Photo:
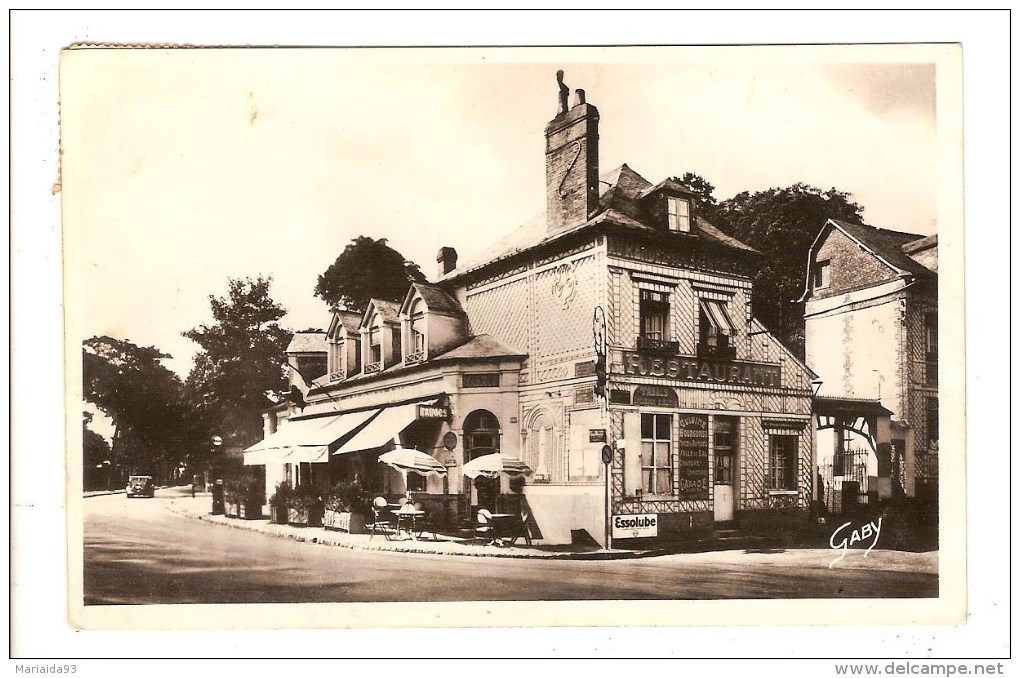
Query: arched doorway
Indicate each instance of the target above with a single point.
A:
(481, 437)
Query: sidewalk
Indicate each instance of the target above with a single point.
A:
(199, 507)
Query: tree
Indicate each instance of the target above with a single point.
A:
(366, 268)
(96, 458)
(782, 223)
(143, 398)
(242, 357)
(706, 206)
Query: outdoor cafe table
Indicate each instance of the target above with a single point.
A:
(407, 520)
(508, 526)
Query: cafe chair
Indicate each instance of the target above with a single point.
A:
(423, 523)
(521, 529)
(483, 526)
(379, 523)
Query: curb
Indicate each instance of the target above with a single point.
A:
(326, 540)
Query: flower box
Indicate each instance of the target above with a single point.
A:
(278, 515)
(344, 521)
(308, 516)
(250, 511)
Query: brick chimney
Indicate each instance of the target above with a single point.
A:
(571, 162)
(447, 260)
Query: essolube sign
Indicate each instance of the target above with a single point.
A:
(638, 525)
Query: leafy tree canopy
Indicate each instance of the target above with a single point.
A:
(781, 223)
(143, 398)
(242, 358)
(366, 268)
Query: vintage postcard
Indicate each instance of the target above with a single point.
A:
(513, 337)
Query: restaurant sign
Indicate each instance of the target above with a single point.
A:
(686, 368)
(693, 457)
(433, 412)
(637, 525)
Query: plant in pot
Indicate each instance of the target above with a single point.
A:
(243, 497)
(304, 507)
(279, 503)
(344, 507)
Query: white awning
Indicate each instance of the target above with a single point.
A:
(384, 428)
(305, 440)
(717, 315)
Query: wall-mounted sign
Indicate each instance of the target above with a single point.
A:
(656, 396)
(646, 364)
(692, 454)
(638, 525)
(450, 440)
(481, 379)
(607, 454)
(619, 397)
(596, 435)
(584, 395)
(433, 412)
(585, 369)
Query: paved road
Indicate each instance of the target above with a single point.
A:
(138, 552)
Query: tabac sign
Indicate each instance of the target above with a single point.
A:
(687, 368)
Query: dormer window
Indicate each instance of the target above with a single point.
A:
(416, 339)
(678, 214)
(374, 363)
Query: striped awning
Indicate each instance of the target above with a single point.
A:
(306, 440)
(718, 316)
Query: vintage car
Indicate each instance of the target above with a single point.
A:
(140, 486)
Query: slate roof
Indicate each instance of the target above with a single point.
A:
(619, 206)
(889, 245)
(351, 321)
(438, 300)
(307, 342)
(389, 310)
(482, 346)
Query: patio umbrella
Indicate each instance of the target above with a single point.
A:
(406, 459)
(491, 465)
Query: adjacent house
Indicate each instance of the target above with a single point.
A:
(871, 323)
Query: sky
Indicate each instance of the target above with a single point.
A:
(183, 168)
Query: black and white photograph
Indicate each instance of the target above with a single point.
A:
(459, 337)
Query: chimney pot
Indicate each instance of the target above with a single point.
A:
(447, 260)
(578, 97)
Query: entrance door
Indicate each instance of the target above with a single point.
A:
(724, 445)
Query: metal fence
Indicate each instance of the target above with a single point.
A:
(846, 480)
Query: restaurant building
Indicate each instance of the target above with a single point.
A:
(618, 324)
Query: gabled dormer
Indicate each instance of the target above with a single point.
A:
(433, 323)
(306, 355)
(380, 336)
(669, 205)
(343, 340)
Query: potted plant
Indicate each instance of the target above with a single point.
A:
(279, 503)
(243, 497)
(344, 507)
(304, 507)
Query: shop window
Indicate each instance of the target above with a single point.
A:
(782, 462)
(931, 419)
(724, 444)
(654, 325)
(931, 349)
(656, 460)
(715, 330)
(678, 214)
(820, 275)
